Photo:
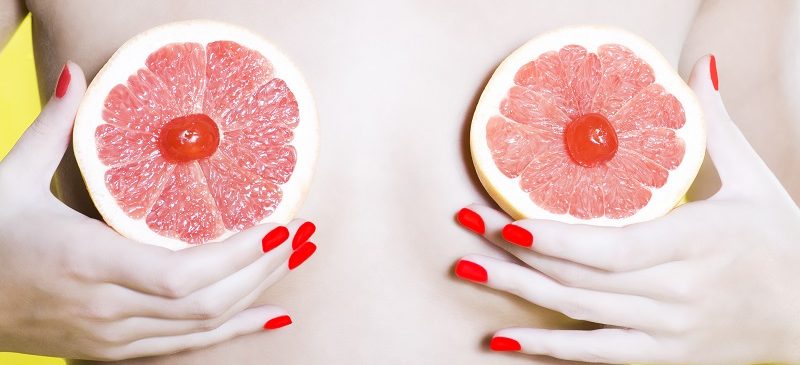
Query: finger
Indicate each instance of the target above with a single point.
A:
(608, 345)
(217, 299)
(177, 274)
(38, 152)
(740, 168)
(489, 223)
(615, 249)
(674, 283)
(613, 309)
(136, 328)
(249, 321)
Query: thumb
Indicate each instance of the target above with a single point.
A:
(740, 168)
(38, 152)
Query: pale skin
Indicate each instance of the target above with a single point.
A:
(670, 291)
(395, 84)
(78, 301)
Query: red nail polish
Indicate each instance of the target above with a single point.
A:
(471, 220)
(471, 271)
(713, 66)
(504, 344)
(303, 234)
(278, 322)
(63, 82)
(274, 238)
(301, 254)
(517, 235)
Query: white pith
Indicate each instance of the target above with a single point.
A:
(508, 193)
(131, 57)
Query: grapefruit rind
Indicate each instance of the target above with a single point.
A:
(507, 192)
(129, 58)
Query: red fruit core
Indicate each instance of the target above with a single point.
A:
(590, 140)
(188, 138)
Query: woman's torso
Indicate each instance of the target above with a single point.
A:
(395, 84)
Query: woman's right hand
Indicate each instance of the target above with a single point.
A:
(72, 287)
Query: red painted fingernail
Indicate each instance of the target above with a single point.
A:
(713, 66)
(303, 234)
(471, 271)
(274, 238)
(278, 322)
(471, 220)
(504, 344)
(517, 235)
(301, 254)
(63, 82)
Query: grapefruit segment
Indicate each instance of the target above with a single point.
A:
(233, 73)
(272, 104)
(623, 194)
(116, 145)
(185, 208)
(582, 74)
(127, 109)
(243, 198)
(636, 167)
(514, 144)
(535, 109)
(182, 66)
(652, 107)
(586, 201)
(267, 155)
(132, 184)
(153, 98)
(545, 76)
(624, 74)
(660, 145)
(587, 125)
(548, 179)
(194, 131)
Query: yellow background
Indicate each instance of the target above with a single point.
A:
(19, 105)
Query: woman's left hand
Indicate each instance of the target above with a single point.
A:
(712, 282)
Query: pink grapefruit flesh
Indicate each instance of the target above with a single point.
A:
(624, 93)
(190, 181)
(586, 133)
(201, 139)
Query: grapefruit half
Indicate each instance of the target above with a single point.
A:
(193, 131)
(589, 125)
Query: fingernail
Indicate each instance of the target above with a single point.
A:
(278, 322)
(471, 271)
(301, 254)
(274, 238)
(471, 220)
(63, 82)
(517, 235)
(713, 66)
(504, 344)
(303, 234)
